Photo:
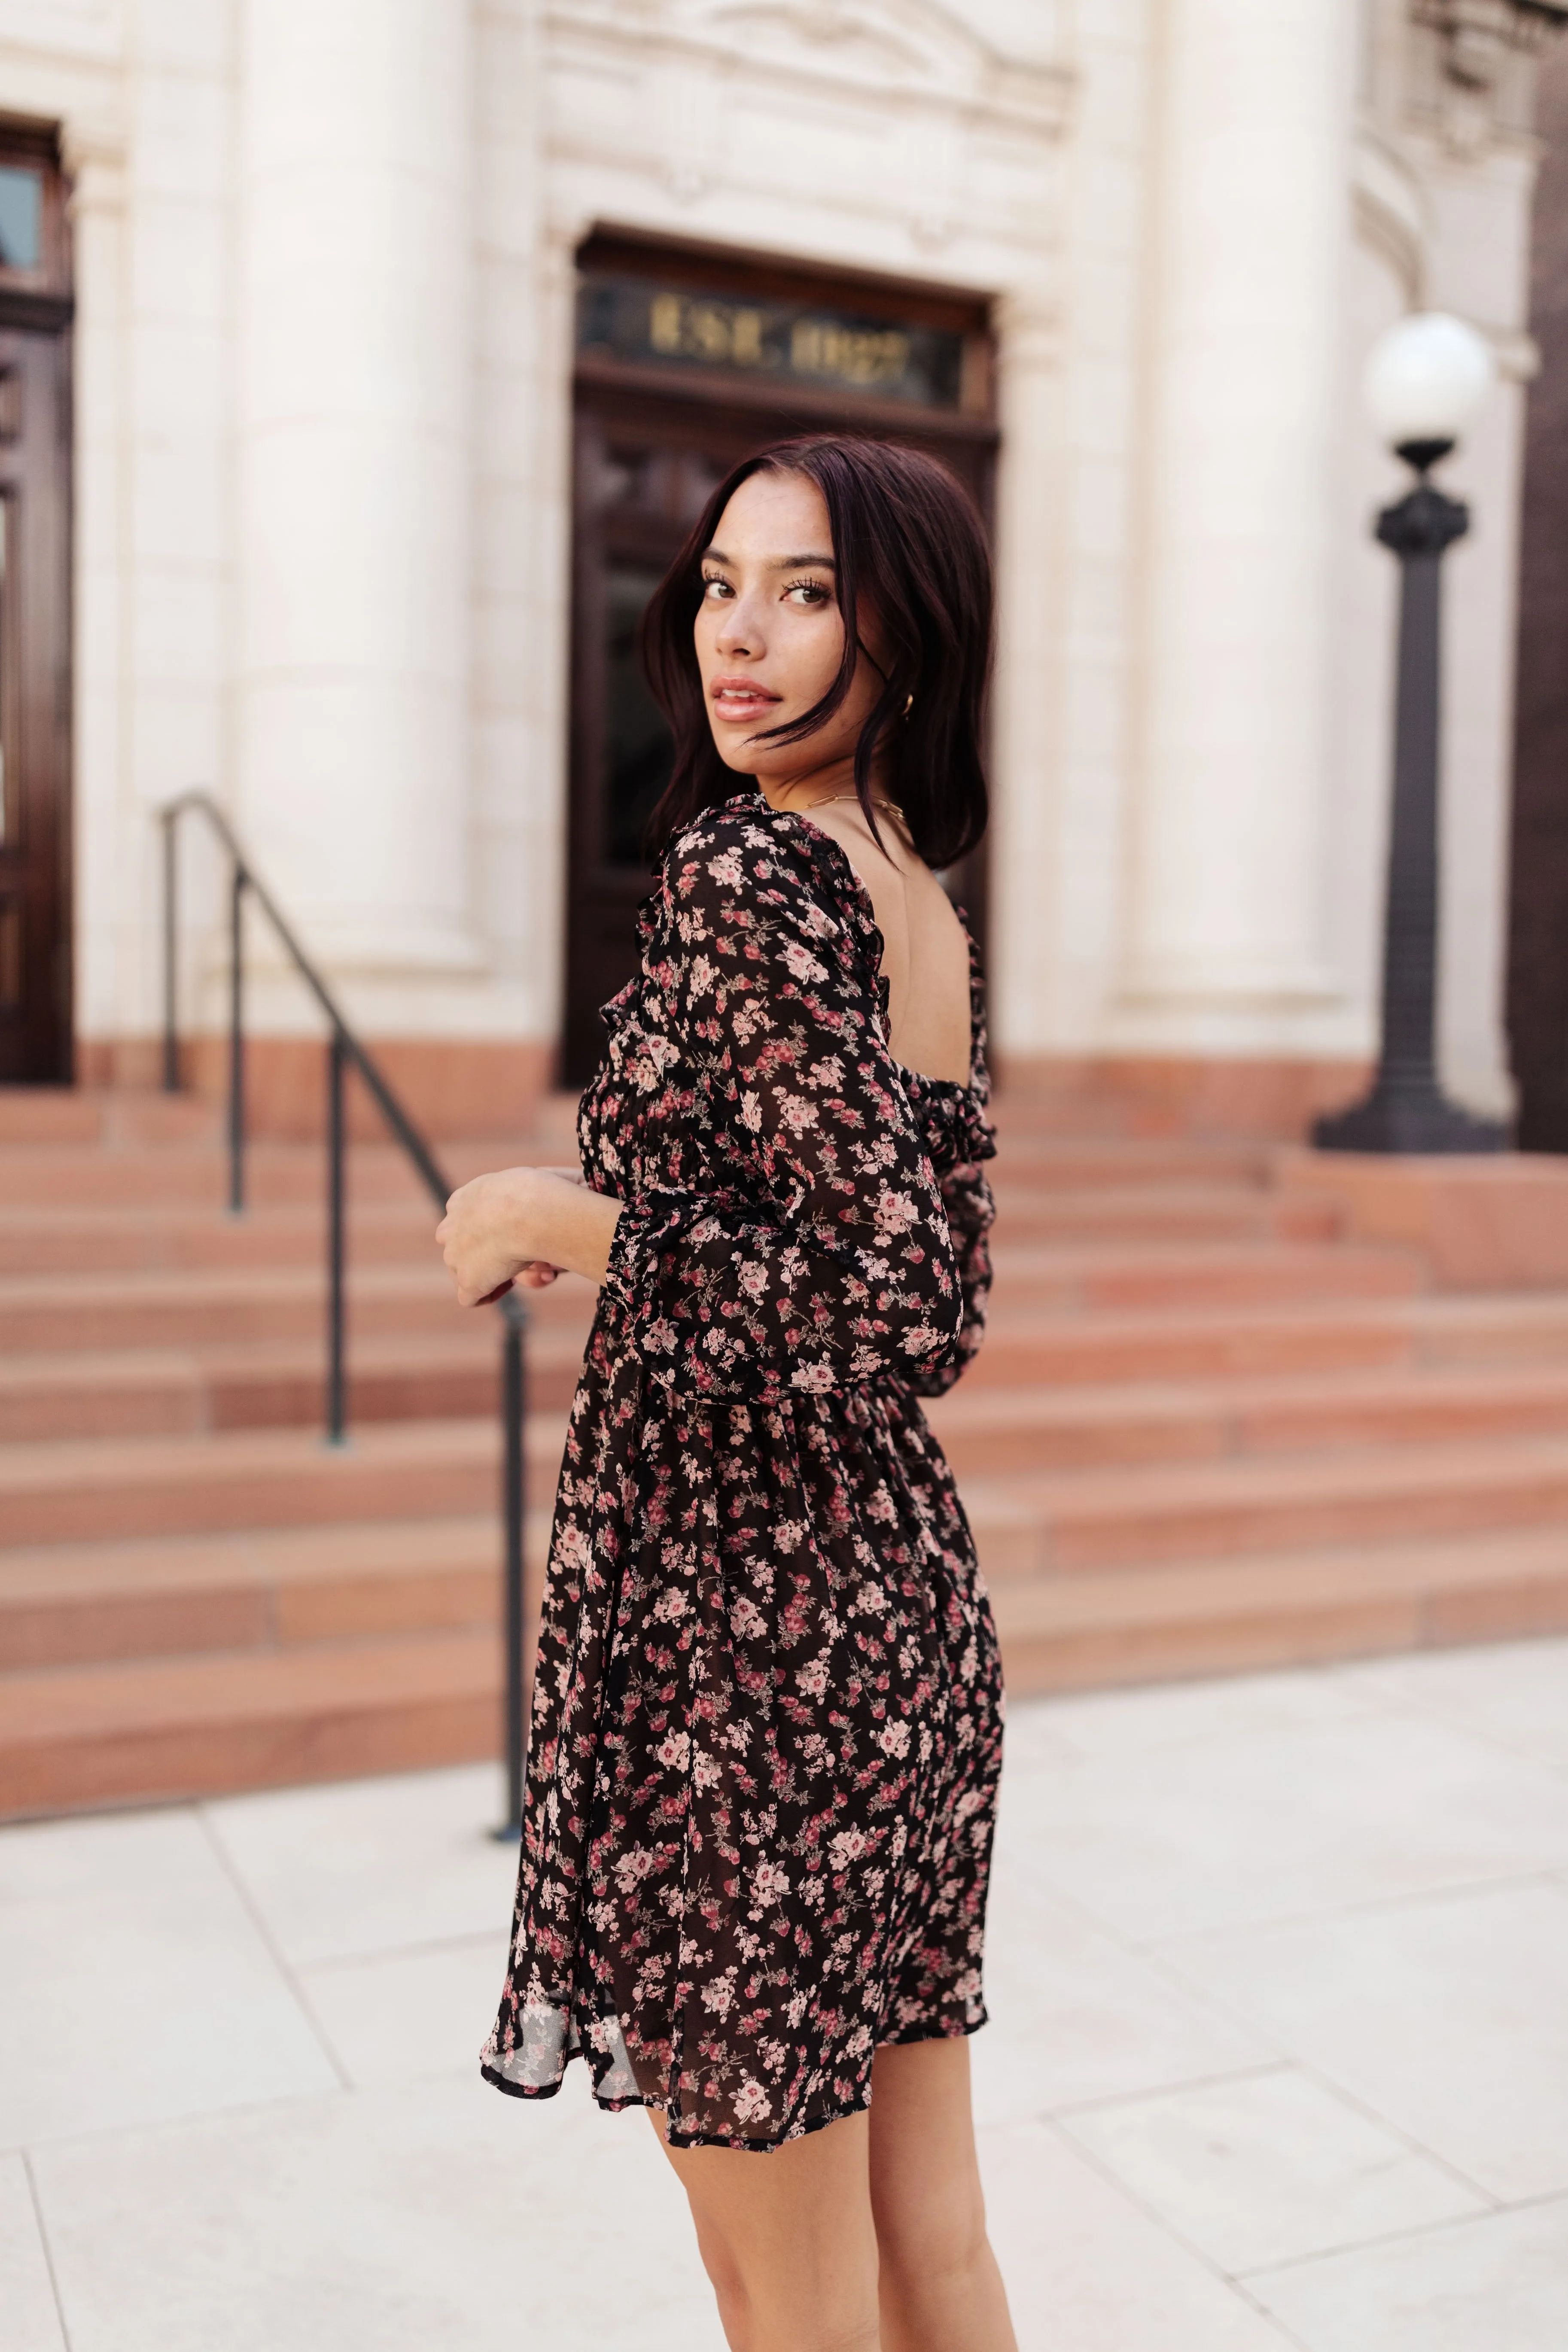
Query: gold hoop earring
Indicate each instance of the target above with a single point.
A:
(908, 704)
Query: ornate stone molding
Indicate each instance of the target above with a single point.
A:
(1478, 35)
(1389, 211)
(898, 52)
(94, 148)
(1479, 69)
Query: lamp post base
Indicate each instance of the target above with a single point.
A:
(1413, 1122)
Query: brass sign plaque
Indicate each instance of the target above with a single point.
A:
(643, 323)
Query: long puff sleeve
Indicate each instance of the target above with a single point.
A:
(814, 1250)
(970, 1213)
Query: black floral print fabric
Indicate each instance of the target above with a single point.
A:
(767, 1713)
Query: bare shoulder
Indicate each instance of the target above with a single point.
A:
(908, 899)
(925, 953)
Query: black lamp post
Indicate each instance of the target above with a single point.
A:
(1428, 377)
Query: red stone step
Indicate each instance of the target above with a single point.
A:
(110, 1488)
(1105, 1277)
(273, 1384)
(224, 1307)
(196, 1725)
(160, 1239)
(49, 1115)
(169, 1309)
(1087, 1522)
(137, 1175)
(89, 1734)
(42, 1176)
(76, 1604)
(158, 1235)
(1235, 1616)
(985, 1433)
(1094, 1163)
(1157, 1213)
(1034, 1349)
(64, 1114)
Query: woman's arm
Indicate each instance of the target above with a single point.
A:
(524, 1225)
(829, 1260)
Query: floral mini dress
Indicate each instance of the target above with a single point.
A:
(766, 1728)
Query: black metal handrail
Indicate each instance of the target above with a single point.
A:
(345, 1050)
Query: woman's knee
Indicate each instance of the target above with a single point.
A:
(937, 2241)
(727, 2277)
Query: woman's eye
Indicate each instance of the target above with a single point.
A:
(810, 592)
(714, 590)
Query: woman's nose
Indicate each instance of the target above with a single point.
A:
(737, 630)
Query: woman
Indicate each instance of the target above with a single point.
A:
(766, 1727)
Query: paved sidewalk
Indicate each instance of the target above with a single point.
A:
(1279, 1976)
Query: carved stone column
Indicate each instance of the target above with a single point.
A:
(1250, 228)
(354, 397)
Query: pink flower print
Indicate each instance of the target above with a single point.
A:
(799, 961)
(770, 1885)
(752, 2101)
(719, 1995)
(633, 1867)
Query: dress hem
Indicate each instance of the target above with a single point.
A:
(717, 2139)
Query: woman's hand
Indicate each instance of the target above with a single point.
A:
(524, 1225)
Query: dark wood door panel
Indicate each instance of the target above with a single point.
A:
(35, 701)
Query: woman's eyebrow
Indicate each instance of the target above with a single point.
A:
(774, 564)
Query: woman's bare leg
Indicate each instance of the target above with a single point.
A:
(941, 2289)
(787, 2239)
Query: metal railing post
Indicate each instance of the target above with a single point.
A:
(171, 957)
(237, 1040)
(337, 1403)
(345, 1051)
(514, 1501)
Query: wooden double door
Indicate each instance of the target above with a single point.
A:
(35, 611)
(645, 468)
(35, 709)
(689, 357)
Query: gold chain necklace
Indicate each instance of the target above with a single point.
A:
(889, 808)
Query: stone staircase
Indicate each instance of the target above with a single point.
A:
(1208, 1430)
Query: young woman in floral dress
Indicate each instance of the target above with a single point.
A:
(767, 1714)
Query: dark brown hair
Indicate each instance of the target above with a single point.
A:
(906, 541)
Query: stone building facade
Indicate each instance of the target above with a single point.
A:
(403, 333)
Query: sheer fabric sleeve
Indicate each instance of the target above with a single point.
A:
(970, 1213)
(817, 1253)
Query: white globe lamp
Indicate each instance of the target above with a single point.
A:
(1427, 377)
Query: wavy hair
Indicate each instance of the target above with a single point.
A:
(908, 543)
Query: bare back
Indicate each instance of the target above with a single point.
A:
(925, 955)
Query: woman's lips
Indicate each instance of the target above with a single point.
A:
(739, 699)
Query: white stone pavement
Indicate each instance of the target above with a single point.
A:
(1280, 1977)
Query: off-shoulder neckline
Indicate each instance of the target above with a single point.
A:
(758, 801)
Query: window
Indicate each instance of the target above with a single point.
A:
(21, 217)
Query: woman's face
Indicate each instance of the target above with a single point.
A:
(770, 634)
